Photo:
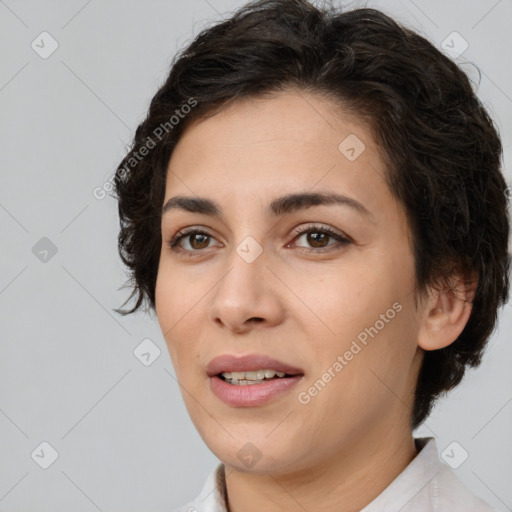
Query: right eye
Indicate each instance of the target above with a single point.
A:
(196, 239)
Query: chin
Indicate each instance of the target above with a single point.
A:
(250, 451)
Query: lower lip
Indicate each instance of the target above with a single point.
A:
(251, 394)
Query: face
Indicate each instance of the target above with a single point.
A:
(325, 288)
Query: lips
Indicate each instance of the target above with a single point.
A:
(247, 363)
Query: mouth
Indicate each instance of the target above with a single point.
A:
(250, 368)
(252, 379)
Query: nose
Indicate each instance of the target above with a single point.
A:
(247, 296)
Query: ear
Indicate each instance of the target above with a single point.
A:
(446, 312)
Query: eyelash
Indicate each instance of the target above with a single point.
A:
(343, 240)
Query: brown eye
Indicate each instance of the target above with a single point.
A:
(317, 237)
(197, 240)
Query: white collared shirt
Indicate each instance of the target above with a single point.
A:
(425, 485)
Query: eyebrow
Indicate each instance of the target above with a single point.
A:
(280, 206)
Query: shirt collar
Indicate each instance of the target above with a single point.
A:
(405, 489)
(213, 497)
(401, 493)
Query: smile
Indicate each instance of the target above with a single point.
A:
(252, 377)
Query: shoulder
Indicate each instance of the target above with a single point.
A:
(427, 485)
(448, 493)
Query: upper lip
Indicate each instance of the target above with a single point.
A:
(248, 362)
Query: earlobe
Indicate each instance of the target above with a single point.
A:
(446, 312)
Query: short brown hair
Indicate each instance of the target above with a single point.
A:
(442, 150)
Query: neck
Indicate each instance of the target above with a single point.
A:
(347, 481)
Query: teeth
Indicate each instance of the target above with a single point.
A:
(252, 376)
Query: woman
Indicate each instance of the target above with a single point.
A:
(314, 208)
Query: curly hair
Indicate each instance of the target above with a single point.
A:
(441, 148)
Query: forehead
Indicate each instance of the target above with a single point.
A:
(284, 118)
(290, 141)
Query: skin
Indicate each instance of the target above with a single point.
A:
(296, 303)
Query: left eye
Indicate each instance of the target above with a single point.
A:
(317, 236)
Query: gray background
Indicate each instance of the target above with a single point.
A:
(68, 375)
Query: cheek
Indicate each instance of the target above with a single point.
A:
(363, 312)
(173, 299)
(355, 384)
(346, 301)
(177, 296)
